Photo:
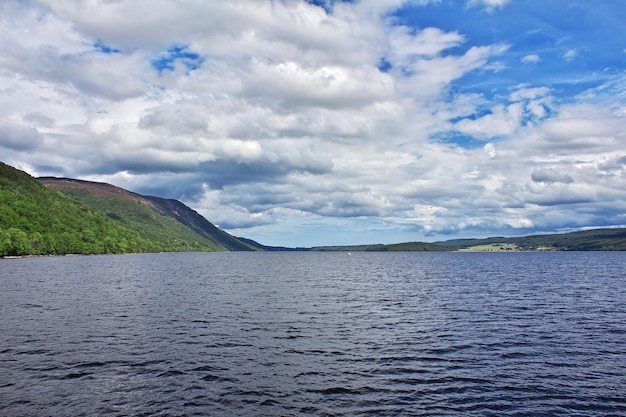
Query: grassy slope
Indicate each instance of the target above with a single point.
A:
(170, 234)
(164, 220)
(201, 226)
(36, 220)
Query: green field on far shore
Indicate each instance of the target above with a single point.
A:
(493, 247)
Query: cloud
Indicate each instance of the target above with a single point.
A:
(19, 137)
(430, 77)
(581, 128)
(561, 195)
(488, 6)
(526, 106)
(326, 86)
(174, 121)
(613, 164)
(52, 52)
(531, 59)
(502, 120)
(550, 176)
(407, 45)
(569, 55)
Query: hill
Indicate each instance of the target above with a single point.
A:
(395, 247)
(160, 219)
(586, 240)
(62, 216)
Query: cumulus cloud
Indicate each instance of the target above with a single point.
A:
(526, 106)
(581, 128)
(614, 164)
(19, 137)
(501, 121)
(326, 86)
(550, 176)
(175, 121)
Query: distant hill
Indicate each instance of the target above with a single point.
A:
(54, 216)
(586, 240)
(395, 247)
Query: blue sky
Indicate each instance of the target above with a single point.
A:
(573, 44)
(308, 123)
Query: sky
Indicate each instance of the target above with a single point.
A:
(306, 123)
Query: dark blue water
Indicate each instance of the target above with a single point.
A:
(424, 334)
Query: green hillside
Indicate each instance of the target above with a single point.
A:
(587, 240)
(36, 220)
(158, 219)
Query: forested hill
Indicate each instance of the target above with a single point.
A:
(153, 216)
(61, 216)
(613, 239)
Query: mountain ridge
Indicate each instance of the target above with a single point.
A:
(58, 216)
(170, 207)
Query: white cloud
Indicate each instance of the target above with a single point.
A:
(430, 77)
(526, 106)
(488, 6)
(501, 121)
(523, 92)
(327, 86)
(569, 55)
(531, 59)
(407, 46)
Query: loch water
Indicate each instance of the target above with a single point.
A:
(314, 334)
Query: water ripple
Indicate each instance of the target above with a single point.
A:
(319, 334)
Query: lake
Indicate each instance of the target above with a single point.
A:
(310, 333)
